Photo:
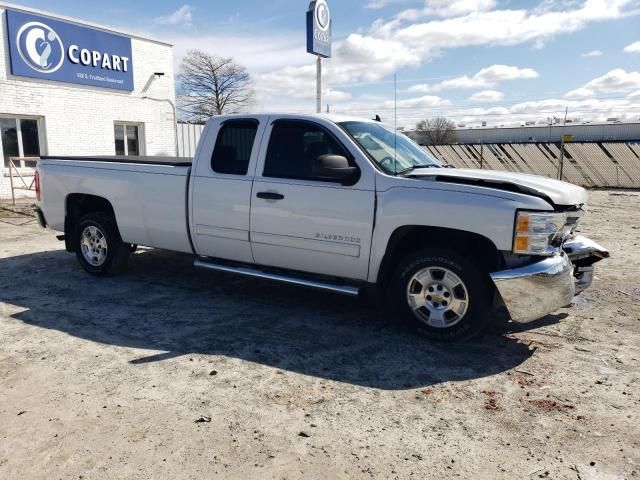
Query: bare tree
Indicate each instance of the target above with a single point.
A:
(212, 85)
(436, 131)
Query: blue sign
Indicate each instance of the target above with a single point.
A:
(319, 29)
(46, 48)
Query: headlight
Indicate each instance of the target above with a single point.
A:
(539, 233)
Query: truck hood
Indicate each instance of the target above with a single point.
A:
(554, 191)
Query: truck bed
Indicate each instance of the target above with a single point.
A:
(148, 194)
(138, 160)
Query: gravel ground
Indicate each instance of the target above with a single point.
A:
(170, 372)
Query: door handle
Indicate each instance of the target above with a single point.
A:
(270, 196)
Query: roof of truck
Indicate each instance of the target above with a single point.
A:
(335, 118)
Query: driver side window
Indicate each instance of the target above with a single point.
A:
(294, 148)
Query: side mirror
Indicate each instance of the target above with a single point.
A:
(334, 167)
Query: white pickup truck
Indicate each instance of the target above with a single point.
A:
(336, 203)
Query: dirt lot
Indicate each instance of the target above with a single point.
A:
(168, 372)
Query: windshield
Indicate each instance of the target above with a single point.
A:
(392, 151)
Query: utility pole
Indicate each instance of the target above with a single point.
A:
(319, 85)
(564, 124)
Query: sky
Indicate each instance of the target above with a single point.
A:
(504, 62)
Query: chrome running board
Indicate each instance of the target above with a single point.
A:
(249, 272)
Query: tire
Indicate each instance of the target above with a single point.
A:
(98, 245)
(461, 297)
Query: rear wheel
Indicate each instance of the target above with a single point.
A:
(98, 245)
(442, 294)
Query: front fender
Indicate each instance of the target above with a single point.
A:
(485, 214)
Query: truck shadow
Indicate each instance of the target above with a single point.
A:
(166, 306)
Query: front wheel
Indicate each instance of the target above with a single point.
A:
(98, 245)
(442, 294)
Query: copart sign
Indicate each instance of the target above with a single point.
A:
(319, 29)
(50, 49)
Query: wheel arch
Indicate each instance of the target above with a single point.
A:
(407, 239)
(79, 204)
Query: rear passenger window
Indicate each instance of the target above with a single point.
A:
(233, 147)
(294, 148)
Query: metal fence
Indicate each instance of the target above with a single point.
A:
(188, 137)
(614, 164)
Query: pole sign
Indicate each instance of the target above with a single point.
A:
(50, 49)
(319, 29)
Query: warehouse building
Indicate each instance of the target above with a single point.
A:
(613, 131)
(69, 87)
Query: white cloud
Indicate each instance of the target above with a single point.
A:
(259, 53)
(617, 80)
(336, 96)
(182, 16)
(487, 77)
(378, 4)
(592, 53)
(594, 107)
(358, 58)
(587, 109)
(498, 27)
(486, 96)
(633, 48)
(634, 94)
(375, 5)
(428, 101)
(580, 93)
(501, 73)
(449, 8)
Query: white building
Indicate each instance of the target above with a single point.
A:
(68, 87)
(579, 132)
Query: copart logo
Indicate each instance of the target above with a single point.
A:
(40, 47)
(323, 15)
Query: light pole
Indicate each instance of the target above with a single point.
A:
(319, 40)
(319, 85)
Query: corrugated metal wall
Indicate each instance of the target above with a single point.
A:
(609, 164)
(188, 137)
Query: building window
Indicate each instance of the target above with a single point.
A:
(20, 140)
(127, 138)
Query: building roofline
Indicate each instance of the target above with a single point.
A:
(558, 125)
(80, 22)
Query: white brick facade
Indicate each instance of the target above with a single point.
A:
(79, 120)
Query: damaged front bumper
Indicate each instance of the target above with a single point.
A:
(535, 290)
